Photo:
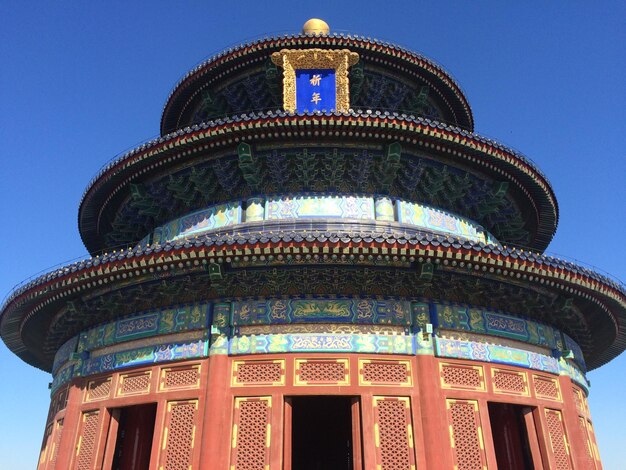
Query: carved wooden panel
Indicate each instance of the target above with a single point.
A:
(87, 441)
(590, 461)
(99, 389)
(251, 434)
(57, 403)
(263, 373)
(46, 446)
(322, 372)
(461, 376)
(56, 441)
(579, 398)
(547, 387)
(173, 378)
(135, 383)
(466, 435)
(385, 372)
(509, 381)
(558, 440)
(179, 435)
(594, 445)
(393, 433)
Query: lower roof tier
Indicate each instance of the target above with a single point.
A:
(358, 152)
(591, 309)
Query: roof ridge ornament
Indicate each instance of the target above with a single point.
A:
(316, 26)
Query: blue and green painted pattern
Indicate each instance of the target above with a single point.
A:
(439, 221)
(63, 354)
(64, 375)
(573, 372)
(144, 325)
(212, 218)
(281, 311)
(576, 351)
(307, 206)
(217, 325)
(479, 351)
(310, 207)
(310, 342)
(475, 320)
(145, 355)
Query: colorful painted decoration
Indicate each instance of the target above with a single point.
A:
(478, 351)
(438, 221)
(310, 75)
(307, 206)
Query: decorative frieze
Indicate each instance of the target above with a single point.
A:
(482, 351)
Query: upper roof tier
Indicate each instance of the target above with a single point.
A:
(386, 78)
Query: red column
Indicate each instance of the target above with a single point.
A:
(436, 436)
(216, 426)
(71, 424)
(576, 439)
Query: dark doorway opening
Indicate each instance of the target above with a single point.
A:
(133, 438)
(323, 432)
(514, 436)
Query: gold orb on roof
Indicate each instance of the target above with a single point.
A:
(316, 26)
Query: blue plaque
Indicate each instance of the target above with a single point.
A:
(316, 90)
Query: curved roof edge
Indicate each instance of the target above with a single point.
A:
(529, 267)
(394, 121)
(333, 39)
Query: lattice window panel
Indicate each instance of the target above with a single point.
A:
(246, 373)
(98, 389)
(88, 441)
(134, 384)
(461, 376)
(509, 381)
(55, 444)
(45, 446)
(251, 434)
(322, 372)
(592, 437)
(558, 440)
(180, 377)
(579, 399)
(547, 387)
(590, 461)
(393, 433)
(381, 372)
(58, 403)
(179, 433)
(466, 436)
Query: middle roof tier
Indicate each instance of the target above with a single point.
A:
(400, 156)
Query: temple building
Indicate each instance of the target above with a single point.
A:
(318, 265)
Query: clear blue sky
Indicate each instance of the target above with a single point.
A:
(81, 82)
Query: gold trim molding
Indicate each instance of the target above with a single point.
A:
(295, 59)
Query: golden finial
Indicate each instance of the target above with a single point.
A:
(316, 26)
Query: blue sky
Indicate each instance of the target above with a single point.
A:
(81, 82)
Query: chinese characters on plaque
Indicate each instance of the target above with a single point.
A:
(315, 90)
